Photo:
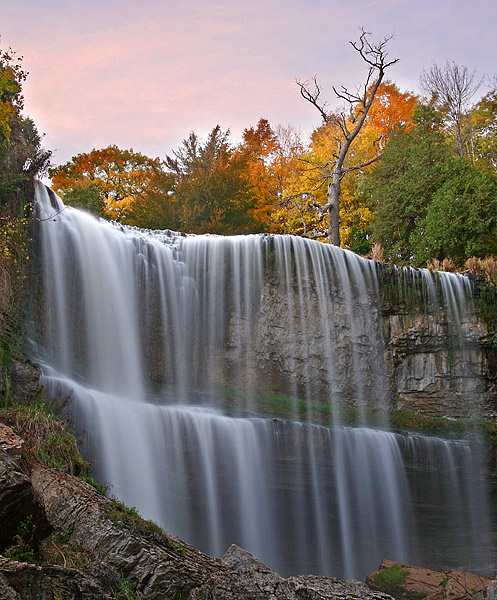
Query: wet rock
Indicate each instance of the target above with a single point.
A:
(238, 559)
(414, 583)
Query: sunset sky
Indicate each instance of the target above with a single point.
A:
(142, 75)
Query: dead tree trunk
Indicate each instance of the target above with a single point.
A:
(349, 122)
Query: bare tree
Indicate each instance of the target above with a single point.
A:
(451, 87)
(348, 121)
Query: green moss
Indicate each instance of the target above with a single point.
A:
(129, 519)
(486, 304)
(390, 580)
(94, 483)
(283, 406)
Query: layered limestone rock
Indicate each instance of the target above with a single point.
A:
(389, 346)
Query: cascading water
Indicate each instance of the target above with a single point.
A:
(161, 345)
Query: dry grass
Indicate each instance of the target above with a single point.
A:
(483, 266)
(449, 265)
(46, 438)
(377, 253)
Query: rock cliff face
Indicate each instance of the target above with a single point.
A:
(392, 346)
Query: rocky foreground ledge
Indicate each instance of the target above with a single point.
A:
(83, 545)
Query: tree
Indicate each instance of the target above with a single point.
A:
(270, 157)
(157, 206)
(348, 123)
(391, 109)
(414, 165)
(210, 186)
(119, 175)
(484, 123)
(451, 88)
(461, 218)
(21, 156)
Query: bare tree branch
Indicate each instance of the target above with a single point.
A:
(359, 104)
(451, 88)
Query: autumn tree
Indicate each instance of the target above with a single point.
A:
(210, 186)
(270, 161)
(484, 125)
(347, 122)
(120, 176)
(392, 108)
(22, 158)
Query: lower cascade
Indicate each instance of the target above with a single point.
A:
(173, 354)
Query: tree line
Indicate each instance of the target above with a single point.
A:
(412, 177)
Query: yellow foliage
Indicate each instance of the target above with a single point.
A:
(309, 182)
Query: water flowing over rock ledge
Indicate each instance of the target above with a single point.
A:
(149, 337)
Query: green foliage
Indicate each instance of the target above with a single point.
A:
(429, 204)
(94, 483)
(157, 207)
(211, 191)
(24, 548)
(125, 591)
(391, 579)
(461, 219)
(87, 197)
(409, 172)
(21, 155)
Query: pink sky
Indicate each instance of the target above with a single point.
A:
(142, 75)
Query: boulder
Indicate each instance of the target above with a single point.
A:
(406, 582)
(251, 579)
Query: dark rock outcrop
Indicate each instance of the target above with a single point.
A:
(24, 581)
(252, 580)
(18, 501)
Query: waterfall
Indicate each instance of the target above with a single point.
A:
(171, 353)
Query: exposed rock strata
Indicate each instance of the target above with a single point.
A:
(387, 348)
